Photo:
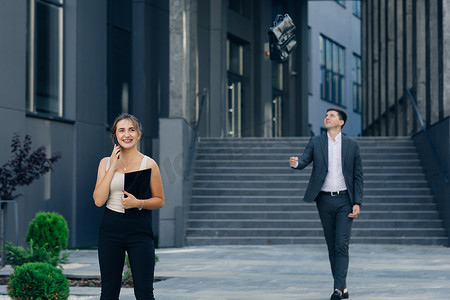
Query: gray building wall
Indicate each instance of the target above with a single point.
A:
(78, 136)
(339, 24)
(81, 135)
(440, 136)
(404, 43)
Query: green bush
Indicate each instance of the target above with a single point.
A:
(18, 255)
(48, 230)
(38, 281)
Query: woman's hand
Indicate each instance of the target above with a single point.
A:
(130, 201)
(115, 157)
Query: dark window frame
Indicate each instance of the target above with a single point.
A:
(50, 85)
(356, 86)
(332, 71)
(341, 3)
(356, 8)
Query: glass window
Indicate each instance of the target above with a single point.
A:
(277, 76)
(309, 61)
(341, 2)
(235, 57)
(356, 83)
(332, 70)
(45, 58)
(119, 37)
(357, 8)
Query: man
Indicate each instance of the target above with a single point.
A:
(336, 184)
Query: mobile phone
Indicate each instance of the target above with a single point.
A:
(116, 143)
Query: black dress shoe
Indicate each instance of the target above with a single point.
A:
(336, 296)
(345, 295)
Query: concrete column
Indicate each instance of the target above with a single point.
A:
(409, 63)
(375, 68)
(434, 62)
(400, 52)
(302, 68)
(421, 68)
(390, 66)
(217, 68)
(263, 69)
(183, 58)
(175, 136)
(446, 55)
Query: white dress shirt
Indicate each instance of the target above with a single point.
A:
(335, 179)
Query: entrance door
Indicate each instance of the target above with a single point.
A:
(277, 99)
(235, 74)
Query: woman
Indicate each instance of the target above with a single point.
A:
(122, 232)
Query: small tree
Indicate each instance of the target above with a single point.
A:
(48, 230)
(47, 235)
(23, 168)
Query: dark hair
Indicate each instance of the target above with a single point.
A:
(342, 115)
(130, 118)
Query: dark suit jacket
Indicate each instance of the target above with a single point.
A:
(317, 151)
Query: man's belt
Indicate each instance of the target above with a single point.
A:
(337, 193)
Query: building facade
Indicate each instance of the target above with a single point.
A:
(405, 47)
(69, 67)
(405, 82)
(335, 58)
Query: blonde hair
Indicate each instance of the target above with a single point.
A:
(129, 117)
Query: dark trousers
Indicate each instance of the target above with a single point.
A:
(333, 212)
(131, 233)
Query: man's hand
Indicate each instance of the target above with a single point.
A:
(355, 213)
(293, 161)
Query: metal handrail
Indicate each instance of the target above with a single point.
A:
(441, 168)
(194, 138)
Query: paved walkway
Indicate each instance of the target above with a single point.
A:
(283, 273)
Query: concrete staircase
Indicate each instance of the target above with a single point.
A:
(244, 193)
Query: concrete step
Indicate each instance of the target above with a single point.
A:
(299, 176)
(244, 193)
(368, 207)
(425, 199)
(309, 232)
(308, 215)
(284, 163)
(204, 241)
(196, 191)
(295, 143)
(285, 169)
(289, 151)
(285, 157)
(282, 223)
(301, 184)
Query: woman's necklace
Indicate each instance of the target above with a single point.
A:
(124, 164)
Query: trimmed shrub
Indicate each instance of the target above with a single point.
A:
(18, 255)
(38, 280)
(48, 230)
